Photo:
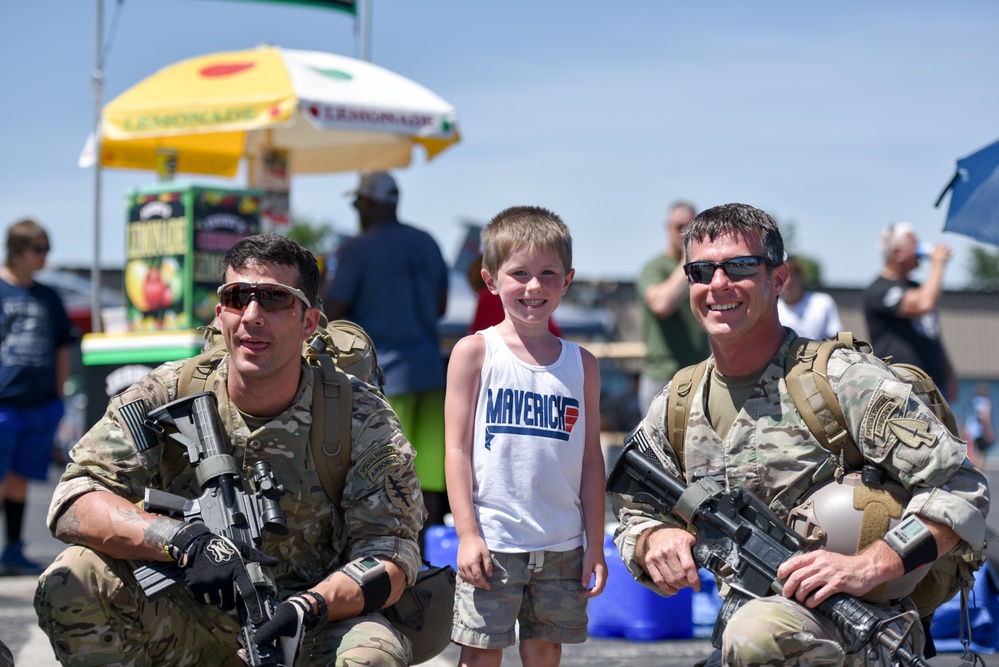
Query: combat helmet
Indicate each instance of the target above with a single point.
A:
(847, 515)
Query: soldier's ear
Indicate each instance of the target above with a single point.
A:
(309, 322)
(781, 274)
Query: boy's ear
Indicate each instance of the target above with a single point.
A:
(568, 279)
(489, 281)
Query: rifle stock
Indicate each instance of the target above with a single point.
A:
(224, 506)
(743, 542)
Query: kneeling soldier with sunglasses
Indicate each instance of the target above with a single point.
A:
(743, 431)
(88, 601)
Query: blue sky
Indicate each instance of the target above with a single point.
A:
(841, 117)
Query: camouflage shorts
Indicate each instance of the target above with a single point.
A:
(778, 631)
(94, 614)
(547, 604)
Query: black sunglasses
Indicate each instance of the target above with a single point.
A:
(736, 268)
(40, 249)
(270, 296)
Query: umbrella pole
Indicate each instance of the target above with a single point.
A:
(365, 30)
(95, 265)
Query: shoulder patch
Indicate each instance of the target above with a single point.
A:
(882, 408)
(912, 432)
(398, 491)
(377, 461)
(134, 416)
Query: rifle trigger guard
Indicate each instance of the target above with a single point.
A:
(694, 496)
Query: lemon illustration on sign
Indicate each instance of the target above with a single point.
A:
(212, 197)
(248, 205)
(135, 280)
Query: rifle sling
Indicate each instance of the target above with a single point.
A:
(215, 466)
(694, 496)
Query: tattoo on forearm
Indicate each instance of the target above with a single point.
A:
(68, 527)
(159, 531)
(113, 528)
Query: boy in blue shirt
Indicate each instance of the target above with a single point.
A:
(35, 334)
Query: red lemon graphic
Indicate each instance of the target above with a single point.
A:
(224, 69)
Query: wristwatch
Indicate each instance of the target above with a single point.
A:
(371, 575)
(913, 541)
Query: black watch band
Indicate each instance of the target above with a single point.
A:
(323, 613)
(183, 538)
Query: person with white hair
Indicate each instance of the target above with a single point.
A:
(902, 314)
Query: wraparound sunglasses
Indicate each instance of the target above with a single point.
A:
(270, 296)
(735, 268)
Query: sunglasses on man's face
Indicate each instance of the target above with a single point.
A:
(736, 268)
(270, 296)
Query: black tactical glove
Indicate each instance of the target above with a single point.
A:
(215, 571)
(291, 620)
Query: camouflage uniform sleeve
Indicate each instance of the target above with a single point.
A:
(896, 431)
(117, 455)
(635, 518)
(382, 499)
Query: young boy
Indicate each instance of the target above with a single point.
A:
(36, 335)
(524, 468)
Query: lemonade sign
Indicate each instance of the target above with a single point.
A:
(176, 238)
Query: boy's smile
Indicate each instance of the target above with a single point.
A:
(530, 283)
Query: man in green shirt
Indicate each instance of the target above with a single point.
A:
(671, 334)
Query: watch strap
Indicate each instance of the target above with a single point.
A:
(183, 538)
(376, 591)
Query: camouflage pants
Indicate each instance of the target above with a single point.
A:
(544, 603)
(778, 631)
(94, 614)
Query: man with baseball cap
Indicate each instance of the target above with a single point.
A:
(377, 186)
(392, 280)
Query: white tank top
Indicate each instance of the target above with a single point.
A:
(528, 452)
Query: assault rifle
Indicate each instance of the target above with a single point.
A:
(224, 506)
(743, 542)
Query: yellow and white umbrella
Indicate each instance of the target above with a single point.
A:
(327, 112)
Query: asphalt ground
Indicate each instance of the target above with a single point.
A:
(20, 632)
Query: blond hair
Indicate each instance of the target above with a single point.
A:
(525, 226)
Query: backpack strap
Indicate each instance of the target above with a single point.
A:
(681, 389)
(929, 393)
(332, 405)
(806, 374)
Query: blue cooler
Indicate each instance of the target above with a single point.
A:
(629, 610)
(440, 546)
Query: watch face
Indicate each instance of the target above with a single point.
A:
(911, 528)
(368, 562)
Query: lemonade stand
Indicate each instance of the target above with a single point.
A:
(176, 235)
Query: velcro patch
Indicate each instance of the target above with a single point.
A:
(397, 491)
(377, 461)
(882, 408)
(912, 432)
(134, 416)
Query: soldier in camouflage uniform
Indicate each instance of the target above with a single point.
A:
(744, 431)
(88, 602)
